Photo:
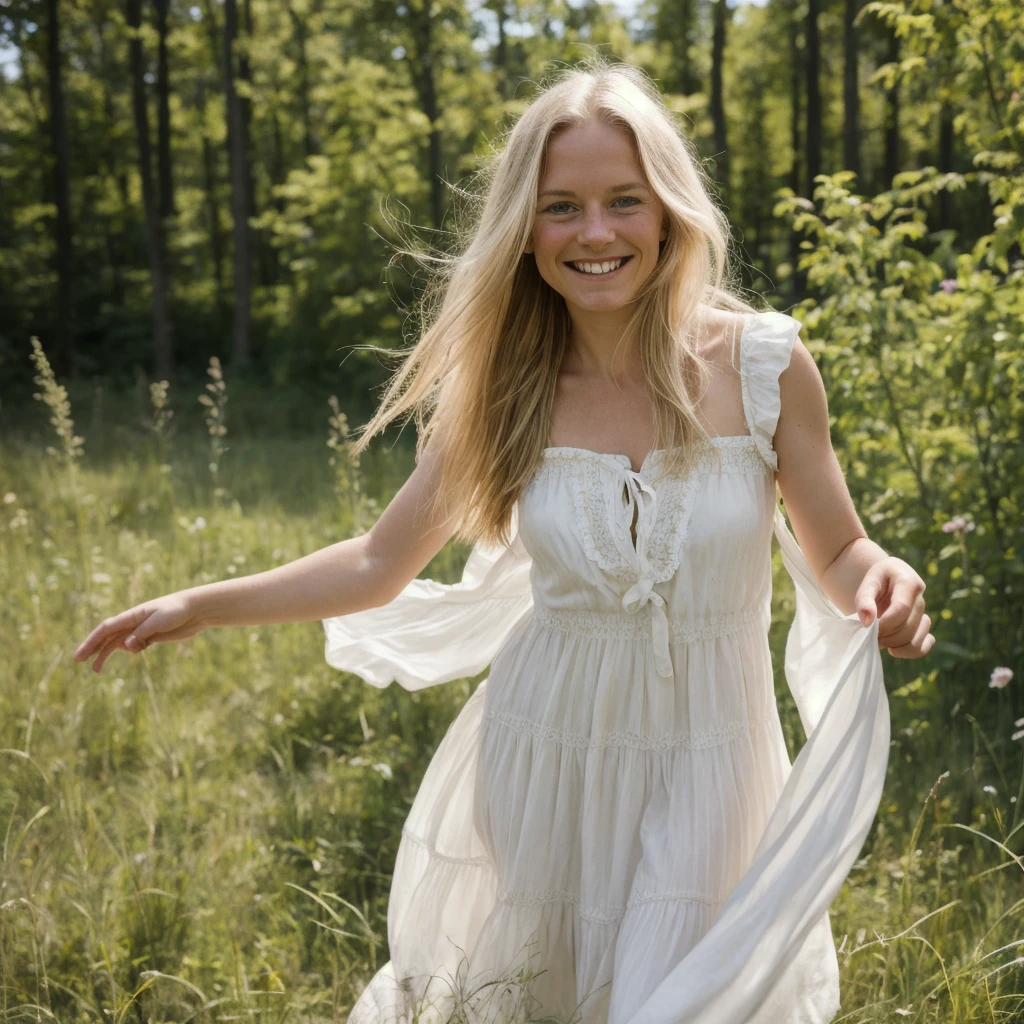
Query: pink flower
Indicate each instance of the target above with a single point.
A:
(1000, 677)
(949, 285)
(958, 525)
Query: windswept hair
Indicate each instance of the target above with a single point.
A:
(482, 375)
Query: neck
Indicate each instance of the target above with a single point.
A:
(594, 338)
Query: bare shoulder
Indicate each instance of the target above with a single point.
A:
(719, 338)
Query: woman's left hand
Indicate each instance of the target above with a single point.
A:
(892, 591)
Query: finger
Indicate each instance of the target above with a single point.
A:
(904, 597)
(124, 622)
(111, 645)
(920, 645)
(867, 595)
(907, 630)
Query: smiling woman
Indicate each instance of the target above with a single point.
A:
(611, 828)
(598, 245)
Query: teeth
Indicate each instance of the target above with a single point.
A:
(599, 268)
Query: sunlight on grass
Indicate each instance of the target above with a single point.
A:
(206, 832)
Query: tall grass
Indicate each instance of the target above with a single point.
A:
(206, 832)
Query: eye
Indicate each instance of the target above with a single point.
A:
(551, 208)
(630, 199)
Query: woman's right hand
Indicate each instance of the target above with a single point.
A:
(173, 617)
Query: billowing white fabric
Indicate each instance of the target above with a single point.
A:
(614, 808)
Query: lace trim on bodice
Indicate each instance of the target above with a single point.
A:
(589, 486)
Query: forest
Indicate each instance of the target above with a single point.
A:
(210, 210)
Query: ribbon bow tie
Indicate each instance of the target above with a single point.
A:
(643, 499)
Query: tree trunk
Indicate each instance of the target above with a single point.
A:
(813, 66)
(212, 205)
(163, 86)
(851, 91)
(64, 333)
(309, 147)
(162, 329)
(945, 162)
(116, 241)
(892, 118)
(241, 352)
(718, 96)
(795, 120)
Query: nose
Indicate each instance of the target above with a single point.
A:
(595, 228)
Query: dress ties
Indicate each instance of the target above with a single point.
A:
(643, 498)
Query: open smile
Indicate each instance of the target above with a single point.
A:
(598, 268)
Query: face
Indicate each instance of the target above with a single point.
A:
(597, 224)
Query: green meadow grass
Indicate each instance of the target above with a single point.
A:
(206, 832)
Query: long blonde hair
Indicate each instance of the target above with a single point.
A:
(482, 375)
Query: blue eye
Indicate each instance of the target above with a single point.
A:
(551, 208)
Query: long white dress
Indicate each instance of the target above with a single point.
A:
(613, 813)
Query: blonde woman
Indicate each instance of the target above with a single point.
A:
(611, 827)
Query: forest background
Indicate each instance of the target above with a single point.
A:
(201, 202)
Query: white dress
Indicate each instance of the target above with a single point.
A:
(614, 809)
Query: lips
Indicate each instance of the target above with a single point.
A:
(610, 273)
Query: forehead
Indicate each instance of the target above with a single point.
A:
(592, 154)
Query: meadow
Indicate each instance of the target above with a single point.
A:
(206, 832)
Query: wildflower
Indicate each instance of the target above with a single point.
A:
(1000, 677)
(991, 790)
(10, 498)
(1019, 735)
(1018, 723)
(958, 525)
(948, 285)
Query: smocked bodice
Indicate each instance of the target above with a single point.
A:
(701, 561)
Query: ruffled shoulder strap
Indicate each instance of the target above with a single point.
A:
(766, 344)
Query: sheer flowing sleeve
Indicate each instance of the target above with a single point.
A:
(435, 632)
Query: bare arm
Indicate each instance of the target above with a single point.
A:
(852, 569)
(352, 575)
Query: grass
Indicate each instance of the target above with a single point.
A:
(206, 832)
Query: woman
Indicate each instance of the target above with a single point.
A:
(611, 827)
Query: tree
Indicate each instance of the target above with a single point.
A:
(851, 89)
(163, 331)
(65, 325)
(240, 201)
(812, 70)
(718, 93)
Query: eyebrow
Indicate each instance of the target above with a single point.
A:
(629, 187)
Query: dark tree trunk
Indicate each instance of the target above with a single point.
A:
(212, 205)
(163, 86)
(892, 118)
(64, 334)
(718, 95)
(309, 146)
(851, 91)
(795, 121)
(241, 352)
(422, 65)
(116, 242)
(945, 162)
(813, 68)
(163, 334)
